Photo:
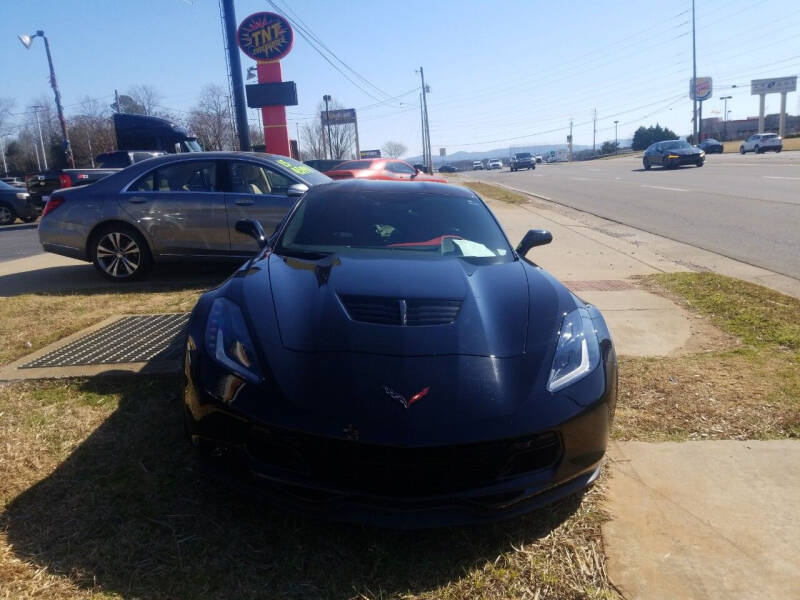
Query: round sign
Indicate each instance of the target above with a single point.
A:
(265, 36)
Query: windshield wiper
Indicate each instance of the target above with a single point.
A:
(306, 254)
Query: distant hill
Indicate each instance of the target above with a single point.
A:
(541, 149)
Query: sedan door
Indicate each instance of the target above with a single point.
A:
(255, 191)
(400, 170)
(180, 208)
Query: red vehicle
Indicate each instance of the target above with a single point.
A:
(380, 168)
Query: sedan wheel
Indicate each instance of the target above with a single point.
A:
(646, 164)
(7, 215)
(758, 150)
(741, 149)
(121, 254)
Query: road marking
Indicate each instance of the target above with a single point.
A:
(580, 178)
(661, 187)
(778, 177)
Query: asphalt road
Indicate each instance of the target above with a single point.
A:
(18, 243)
(744, 207)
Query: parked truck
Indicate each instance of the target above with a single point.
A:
(139, 137)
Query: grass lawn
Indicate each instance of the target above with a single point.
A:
(751, 392)
(496, 192)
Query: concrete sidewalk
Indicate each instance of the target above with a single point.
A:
(704, 520)
(598, 268)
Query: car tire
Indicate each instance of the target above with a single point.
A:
(7, 214)
(778, 149)
(700, 163)
(646, 164)
(741, 150)
(757, 150)
(120, 253)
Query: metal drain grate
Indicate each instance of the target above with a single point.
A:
(130, 339)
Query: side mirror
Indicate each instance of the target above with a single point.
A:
(535, 237)
(296, 190)
(253, 228)
(416, 172)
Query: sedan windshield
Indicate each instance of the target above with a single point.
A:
(677, 144)
(420, 224)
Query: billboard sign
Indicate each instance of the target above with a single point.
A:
(701, 90)
(265, 36)
(344, 116)
(771, 86)
(369, 154)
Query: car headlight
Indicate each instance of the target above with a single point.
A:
(228, 342)
(577, 352)
(702, 153)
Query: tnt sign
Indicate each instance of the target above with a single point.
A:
(265, 36)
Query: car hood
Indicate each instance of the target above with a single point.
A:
(683, 151)
(311, 300)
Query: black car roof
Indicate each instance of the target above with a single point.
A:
(392, 187)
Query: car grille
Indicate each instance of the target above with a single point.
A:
(403, 472)
(397, 311)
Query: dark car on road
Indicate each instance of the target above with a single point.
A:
(671, 154)
(173, 207)
(389, 357)
(522, 160)
(448, 169)
(15, 203)
(711, 146)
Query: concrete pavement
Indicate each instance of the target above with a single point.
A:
(704, 520)
(19, 241)
(742, 207)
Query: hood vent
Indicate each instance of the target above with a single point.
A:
(401, 312)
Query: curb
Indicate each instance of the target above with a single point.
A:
(17, 227)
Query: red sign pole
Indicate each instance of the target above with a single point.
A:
(276, 131)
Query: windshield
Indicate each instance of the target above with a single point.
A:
(523, 155)
(307, 174)
(420, 224)
(5, 186)
(192, 145)
(354, 165)
(675, 145)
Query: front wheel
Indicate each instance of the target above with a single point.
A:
(758, 150)
(741, 149)
(700, 163)
(7, 214)
(120, 253)
(778, 149)
(646, 164)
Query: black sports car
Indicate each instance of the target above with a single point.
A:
(711, 146)
(388, 357)
(673, 153)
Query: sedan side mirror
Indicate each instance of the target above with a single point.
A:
(296, 190)
(535, 237)
(253, 228)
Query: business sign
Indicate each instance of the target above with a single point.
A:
(442, 152)
(701, 90)
(369, 154)
(265, 36)
(283, 93)
(771, 86)
(344, 116)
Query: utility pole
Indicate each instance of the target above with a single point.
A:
(694, 82)
(41, 140)
(327, 99)
(725, 115)
(117, 106)
(3, 152)
(616, 138)
(569, 140)
(427, 133)
(242, 128)
(594, 131)
(422, 129)
(91, 154)
(36, 152)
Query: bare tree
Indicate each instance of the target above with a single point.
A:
(146, 99)
(394, 149)
(91, 131)
(6, 106)
(314, 137)
(311, 142)
(210, 119)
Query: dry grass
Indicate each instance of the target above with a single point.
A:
(101, 499)
(752, 392)
(496, 192)
(788, 144)
(31, 321)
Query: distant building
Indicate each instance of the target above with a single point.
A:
(740, 129)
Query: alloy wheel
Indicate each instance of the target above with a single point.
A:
(118, 255)
(6, 216)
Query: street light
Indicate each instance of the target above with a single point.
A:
(27, 40)
(251, 73)
(725, 114)
(616, 138)
(327, 99)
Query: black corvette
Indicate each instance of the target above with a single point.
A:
(671, 154)
(388, 357)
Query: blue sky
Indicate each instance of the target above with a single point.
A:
(501, 73)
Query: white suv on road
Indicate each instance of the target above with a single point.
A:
(761, 142)
(495, 163)
(477, 165)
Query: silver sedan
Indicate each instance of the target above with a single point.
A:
(175, 207)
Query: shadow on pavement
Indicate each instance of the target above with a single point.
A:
(129, 513)
(84, 278)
